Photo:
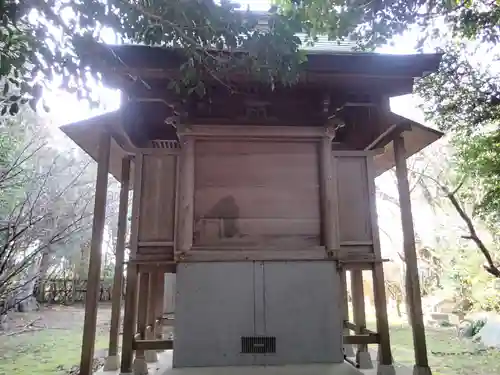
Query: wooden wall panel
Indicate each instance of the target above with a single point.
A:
(353, 200)
(158, 198)
(257, 192)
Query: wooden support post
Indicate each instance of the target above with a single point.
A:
(186, 200)
(329, 214)
(130, 311)
(385, 363)
(160, 298)
(363, 358)
(348, 351)
(94, 273)
(151, 355)
(112, 361)
(140, 365)
(328, 188)
(412, 277)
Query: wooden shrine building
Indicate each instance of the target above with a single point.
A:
(260, 201)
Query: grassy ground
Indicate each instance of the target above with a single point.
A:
(51, 346)
(48, 342)
(46, 352)
(448, 355)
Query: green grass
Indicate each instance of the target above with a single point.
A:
(448, 355)
(46, 352)
(56, 351)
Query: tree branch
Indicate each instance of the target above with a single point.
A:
(491, 267)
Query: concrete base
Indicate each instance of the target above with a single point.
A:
(348, 350)
(386, 370)
(421, 370)
(112, 363)
(140, 366)
(151, 356)
(364, 360)
(164, 367)
(316, 369)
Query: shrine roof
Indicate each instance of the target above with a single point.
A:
(327, 62)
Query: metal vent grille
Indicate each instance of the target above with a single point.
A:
(258, 344)
(168, 144)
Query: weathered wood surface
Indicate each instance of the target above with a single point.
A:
(353, 199)
(257, 192)
(251, 187)
(99, 220)
(156, 222)
(412, 282)
(119, 259)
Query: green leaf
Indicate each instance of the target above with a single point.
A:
(14, 109)
(200, 89)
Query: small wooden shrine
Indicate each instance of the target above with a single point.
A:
(260, 201)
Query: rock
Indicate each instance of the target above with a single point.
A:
(465, 329)
(446, 306)
(440, 317)
(489, 334)
(3, 322)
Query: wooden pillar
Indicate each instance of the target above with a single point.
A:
(160, 297)
(112, 361)
(151, 355)
(130, 311)
(412, 276)
(329, 216)
(153, 296)
(348, 352)
(140, 366)
(385, 364)
(186, 191)
(328, 188)
(363, 359)
(94, 273)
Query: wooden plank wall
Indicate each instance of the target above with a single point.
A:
(257, 193)
(157, 207)
(355, 226)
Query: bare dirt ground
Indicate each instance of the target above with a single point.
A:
(54, 317)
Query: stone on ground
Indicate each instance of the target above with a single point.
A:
(111, 363)
(364, 360)
(489, 335)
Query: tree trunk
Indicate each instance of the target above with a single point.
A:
(403, 291)
(398, 307)
(25, 298)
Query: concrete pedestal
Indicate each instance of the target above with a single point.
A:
(364, 360)
(421, 370)
(386, 370)
(112, 363)
(140, 367)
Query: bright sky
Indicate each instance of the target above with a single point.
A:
(66, 109)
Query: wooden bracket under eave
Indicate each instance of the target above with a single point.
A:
(387, 136)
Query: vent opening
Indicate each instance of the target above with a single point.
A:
(166, 144)
(258, 344)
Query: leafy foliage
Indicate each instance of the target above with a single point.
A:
(464, 97)
(43, 40)
(374, 23)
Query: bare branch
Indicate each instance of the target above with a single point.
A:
(491, 267)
